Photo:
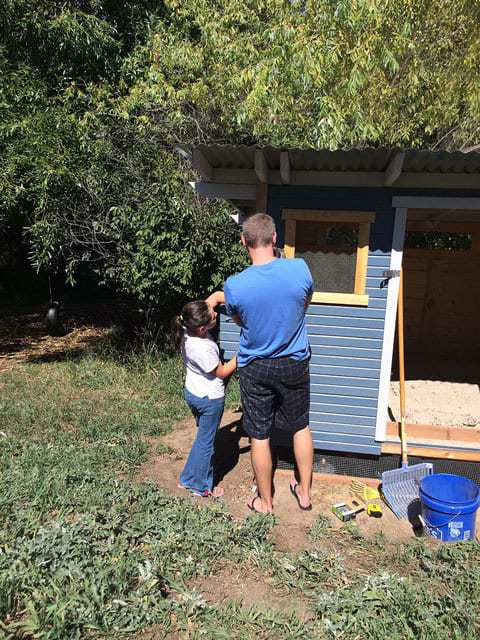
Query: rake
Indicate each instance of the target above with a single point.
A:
(400, 486)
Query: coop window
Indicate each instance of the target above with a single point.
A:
(334, 244)
(438, 240)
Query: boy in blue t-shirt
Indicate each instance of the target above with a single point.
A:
(268, 300)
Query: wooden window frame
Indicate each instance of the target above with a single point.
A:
(364, 219)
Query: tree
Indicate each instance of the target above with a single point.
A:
(320, 73)
(95, 94)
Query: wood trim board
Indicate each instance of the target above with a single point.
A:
(364, 220)
(320, 215)
(433, 452)
(361, 265)
(437, 432)
(351, 299)
(390, 320)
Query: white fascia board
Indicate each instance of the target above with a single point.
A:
(225, 191)
(421, 202)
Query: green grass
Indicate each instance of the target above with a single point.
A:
(86, 552)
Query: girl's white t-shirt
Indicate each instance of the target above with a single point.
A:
(201, 356)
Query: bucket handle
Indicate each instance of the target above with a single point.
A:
(424, 521)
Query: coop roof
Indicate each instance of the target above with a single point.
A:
(233, 171)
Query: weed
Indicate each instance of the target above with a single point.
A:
(320, 528)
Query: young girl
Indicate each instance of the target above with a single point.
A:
(204, 391)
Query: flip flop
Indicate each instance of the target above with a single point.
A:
(251, 506)
(198, 494)
(293, 491)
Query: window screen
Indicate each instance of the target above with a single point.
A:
(330, 250)
(438, 240)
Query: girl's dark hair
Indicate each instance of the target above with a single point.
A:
(194, 315)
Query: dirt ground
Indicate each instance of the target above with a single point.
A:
(436, 402)
(233, 460)
(24, 338)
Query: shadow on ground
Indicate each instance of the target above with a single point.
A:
(24, 336)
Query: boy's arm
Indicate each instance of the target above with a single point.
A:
(215, 299)
(225, 370)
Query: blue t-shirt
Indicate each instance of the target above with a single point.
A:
(270, 301)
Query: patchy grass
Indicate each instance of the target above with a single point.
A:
(87, 553)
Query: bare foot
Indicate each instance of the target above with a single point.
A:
(217, 492)
(256, 504)
(303, 500)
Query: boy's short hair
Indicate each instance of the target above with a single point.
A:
(258, 230)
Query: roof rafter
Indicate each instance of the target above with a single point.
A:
(285, 173)
(261, 166)
(394, 168)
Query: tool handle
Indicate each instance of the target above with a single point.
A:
(401, 369)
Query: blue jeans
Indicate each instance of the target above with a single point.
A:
(197, 474)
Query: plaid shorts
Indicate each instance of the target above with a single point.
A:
(275, 396)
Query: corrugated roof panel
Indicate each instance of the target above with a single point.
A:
(375, 160)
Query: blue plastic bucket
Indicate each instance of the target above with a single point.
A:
(449, 506)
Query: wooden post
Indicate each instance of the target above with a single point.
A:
(401, 370)
(290, 229)
(261, 197)
(362, 257)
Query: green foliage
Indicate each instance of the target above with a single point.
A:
(388, 605)
(81, 551)
(94, 95)
(320, 528)
(318, 73)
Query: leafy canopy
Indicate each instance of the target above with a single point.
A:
(95, 94)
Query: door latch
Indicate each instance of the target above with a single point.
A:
(391, 273)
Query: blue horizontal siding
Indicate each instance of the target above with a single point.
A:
(340, 341)
(346, 311)
(320, 400)
(372, 449)
(339, 419)
(329, 427)
(339, 373)
(329, 407)
(349, 332)
(312, 321)
(348, 363)
(341, 381)
(343, 437)
(329, 390)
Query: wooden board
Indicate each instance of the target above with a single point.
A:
(433, 452)
(321, 215)
(441, 289)
(429, 432)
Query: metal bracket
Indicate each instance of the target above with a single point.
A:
(391, 273)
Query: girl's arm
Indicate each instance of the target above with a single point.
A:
(215, 299)
(225, 370)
